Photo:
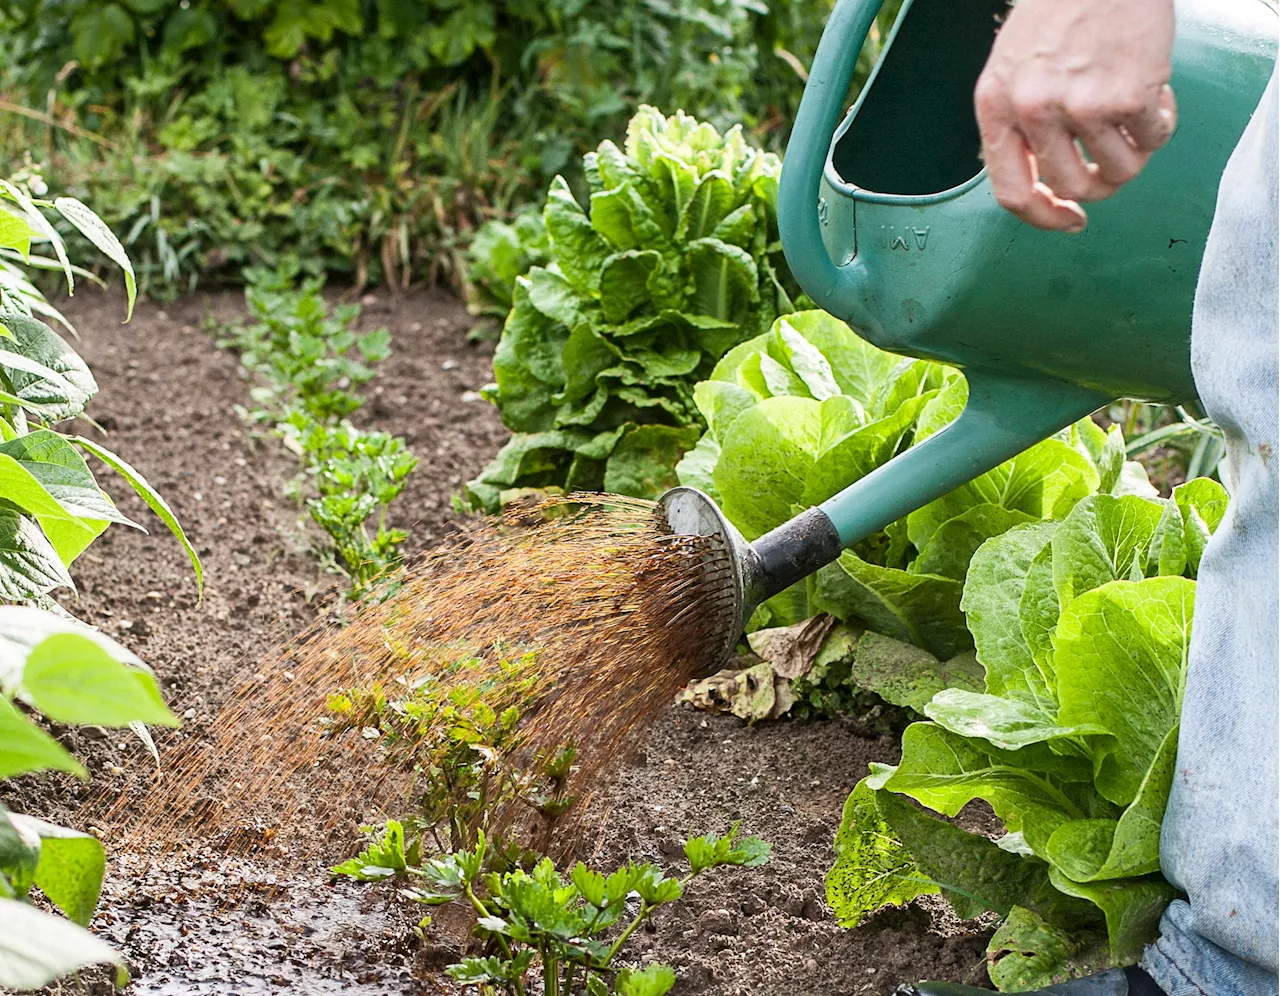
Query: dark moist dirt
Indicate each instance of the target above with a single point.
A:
(212, 924)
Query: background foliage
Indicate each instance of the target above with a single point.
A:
(368, 137)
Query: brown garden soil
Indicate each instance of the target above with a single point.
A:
(208, 923)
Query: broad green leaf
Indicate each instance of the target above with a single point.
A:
(15, 232)
(527, 365)
(96, 231)
(72, 679)
(643, 463)
(1089, 850)
(1132, 907)
(922, 609)
(805, 360)
(1167, 551)
(858, 453)
(1202, 502)
(720, 403)
(872, 869)
(953, 544)
(1110, 460)
(725, 278)
(946, 772)
(1103, 539)
(858, 367)
(1044, 481)
(653, 980)
(577, 247)
(1038, 610)
(37, 947)
(556, 298)
(68, 533)
(712, 200)
(1006, 722)
(1121, 658)
(37, 351)
(71, 867)
(624, 282)
(24, 747)
(1026, 953)
(943, 409)
(697, 466)
(56, 464)
(973, 873)
(994, 590)
(30, 212)
(763, 462)
(29, 565)
(149, 495)
(905, 675)
(23, 627)
(19, 855)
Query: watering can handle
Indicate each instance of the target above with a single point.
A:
(833, 288)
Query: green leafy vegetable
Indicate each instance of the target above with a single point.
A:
(1082, 625)
(674, 261)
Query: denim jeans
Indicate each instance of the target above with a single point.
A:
(1219, 843)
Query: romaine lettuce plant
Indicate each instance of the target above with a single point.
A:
(676, 260)
(803, 411)
(1082, 627)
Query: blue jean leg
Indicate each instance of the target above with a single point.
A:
(1219, 843)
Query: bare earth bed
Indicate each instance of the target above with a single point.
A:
(168, 402)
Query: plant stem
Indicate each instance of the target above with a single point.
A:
(645, 910)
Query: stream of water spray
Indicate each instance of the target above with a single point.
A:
(622, 613)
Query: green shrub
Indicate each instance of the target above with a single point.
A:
(367, 137)
(1082, 627)
(675, 261)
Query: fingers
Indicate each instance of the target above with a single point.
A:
(1153, 125)
(1012, 169)
(1115, 155)
(1062, 168)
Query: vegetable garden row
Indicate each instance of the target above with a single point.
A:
(1026, 635)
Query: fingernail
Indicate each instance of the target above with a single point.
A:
(1077, 228)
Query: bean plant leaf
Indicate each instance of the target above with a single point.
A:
(149, 495)
(72, 679)
(25, 747)
(45, 370)
(37, 947)
(71, 866)
(29, 564)
(96, 231)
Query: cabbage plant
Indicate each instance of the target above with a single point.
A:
(1082, 628)
(675, 260)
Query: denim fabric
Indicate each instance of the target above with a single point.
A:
(1219, 843)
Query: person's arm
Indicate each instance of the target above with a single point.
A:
(1061, 70)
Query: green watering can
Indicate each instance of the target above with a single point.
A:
(889, 223)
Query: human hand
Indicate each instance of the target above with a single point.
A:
(1096, 71)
